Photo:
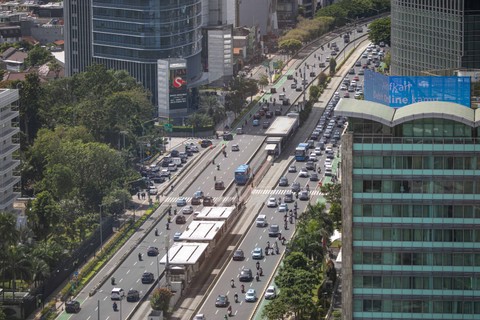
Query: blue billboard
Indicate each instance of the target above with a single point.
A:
(399, 91)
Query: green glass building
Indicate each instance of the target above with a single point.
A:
(411, 211)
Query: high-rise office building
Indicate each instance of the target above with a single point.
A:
(9, 129)
(134, 35)
(411, 211)
(434, 34)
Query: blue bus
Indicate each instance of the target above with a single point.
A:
(243, 174)
(301, 152)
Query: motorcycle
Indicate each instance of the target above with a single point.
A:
(115, 307)
(112, 281)
(235, 297)
(156, 232)
(232, 283)
(139, 257)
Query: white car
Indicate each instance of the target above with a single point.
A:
(303, 173)
(199, 317)
(343, 87)
(271, 293)
(283, 207)
(318, 151)
(292, 168)
(187, 210)
(313, 158)
(272, 202)
(251, 295)
(176, 236)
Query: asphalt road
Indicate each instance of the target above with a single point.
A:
(258, 236)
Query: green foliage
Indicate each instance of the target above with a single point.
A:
(276, 309)
(322, 79)
(290, 45)
(160, 299)
(9, 234)
(240, 88)
(337, 314)
(2, 315)
(210, 106)
(314, 93)
(333, 66)
(380, 31)
(344, 11)
(198, 120)
(263, 81)
(38, 56)
(332, 192)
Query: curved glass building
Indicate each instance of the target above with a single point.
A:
(134, 34)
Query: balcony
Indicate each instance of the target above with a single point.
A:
(8, 149)
(8, 184)
(8, 132)
(6, 201)
(10, 166)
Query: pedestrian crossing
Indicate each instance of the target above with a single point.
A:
(216, 200)
(281, 191)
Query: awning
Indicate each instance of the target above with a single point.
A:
(271, 147)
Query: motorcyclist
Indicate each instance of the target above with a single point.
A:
(113, 281)
(115, 307)
(229, 310)
(218, 167)
(232, 283)
(139, 256)
(235, 297)
(257, 265)
(243, 288)
(156, 232)
(257, 277)
(307, 187)
(260, 270)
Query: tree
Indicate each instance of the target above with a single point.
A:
(336, 214)
(380, 31)
(38, 56)
(8, 231)
(290, 45)
(234, 102)
(43, 214)
(198, 120)
(210, 105)
(332, 192)
(160, 299)
(314, 93)
(15, 263)
(263, 81)
(30, 96)
(322, 79)
(333, 66)
(276, 309)
(2, 315)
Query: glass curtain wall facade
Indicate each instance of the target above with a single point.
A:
(134, 34)
(411, 217)
(434, 34)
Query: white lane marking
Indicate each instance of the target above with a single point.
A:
(105, 298)
(89, 317)
(128, 271)
(120, 280)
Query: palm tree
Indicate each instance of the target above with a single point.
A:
(209, 105)
(39, 270)
(8, 231)
(15, 263)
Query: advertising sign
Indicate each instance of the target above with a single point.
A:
(399, 91)
(178, 86)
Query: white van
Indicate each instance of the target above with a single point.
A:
(261, 221)
(172, 167)
(177, 161)
(282, 96)
(117, 294)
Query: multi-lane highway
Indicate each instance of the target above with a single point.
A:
(201, 176)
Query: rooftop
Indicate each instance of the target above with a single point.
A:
(182, 253)
(200, 230)
(281, 126)
(215, 213)
(392, 117)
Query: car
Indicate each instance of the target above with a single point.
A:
(256, 122)
(187, 210)
(269, 114)
(272, 202)
(238, 255)
(283, 207)
(361, 72)
(310, 165)
(278, 112)
(246, 275)
(227, 136)
(270, 293)
(356, 78)
(351, 71)
(303, 173)
(298, 89)
(292, 168)
(152, 251)
(283, 182)
(318, 151)
(148, 277)
(351, 89)
(266, 124)
(251, 295)
(293, 86)
(288, 197)
(346, 95)
(257, 116)
(133, 295)
(180, 220)
(358, 63)
(193, 148)
(221, 301)
(158, 179)
(257, 253)
(312, 158)
(343, 87)
(176, 236)
(261, 112)
(208, 201)
(357, 95)
(290, 77)
(206, 143)
(304, 195)
(152, 190)
(196, 201)
(72, 306)
(181, 202)
(165, 173)
(313, 177)
(199, 316)
(296, 187)
(313, 74)
(219, 185)
(273, 230)
(235, 147)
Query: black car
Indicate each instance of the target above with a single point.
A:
(313, 177)
(133, 295)
(266, 124)
(296, 187)
(206, 143)
(174, 153)
(310, 165)
(72, 306)
(290, 77)
(227, 136)
(148, 277)
(283, 182)
(246, 275)
(269, 114)
(222, 301)
(278, 112)
(158, 179)
(238, 255)
(152, 251)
